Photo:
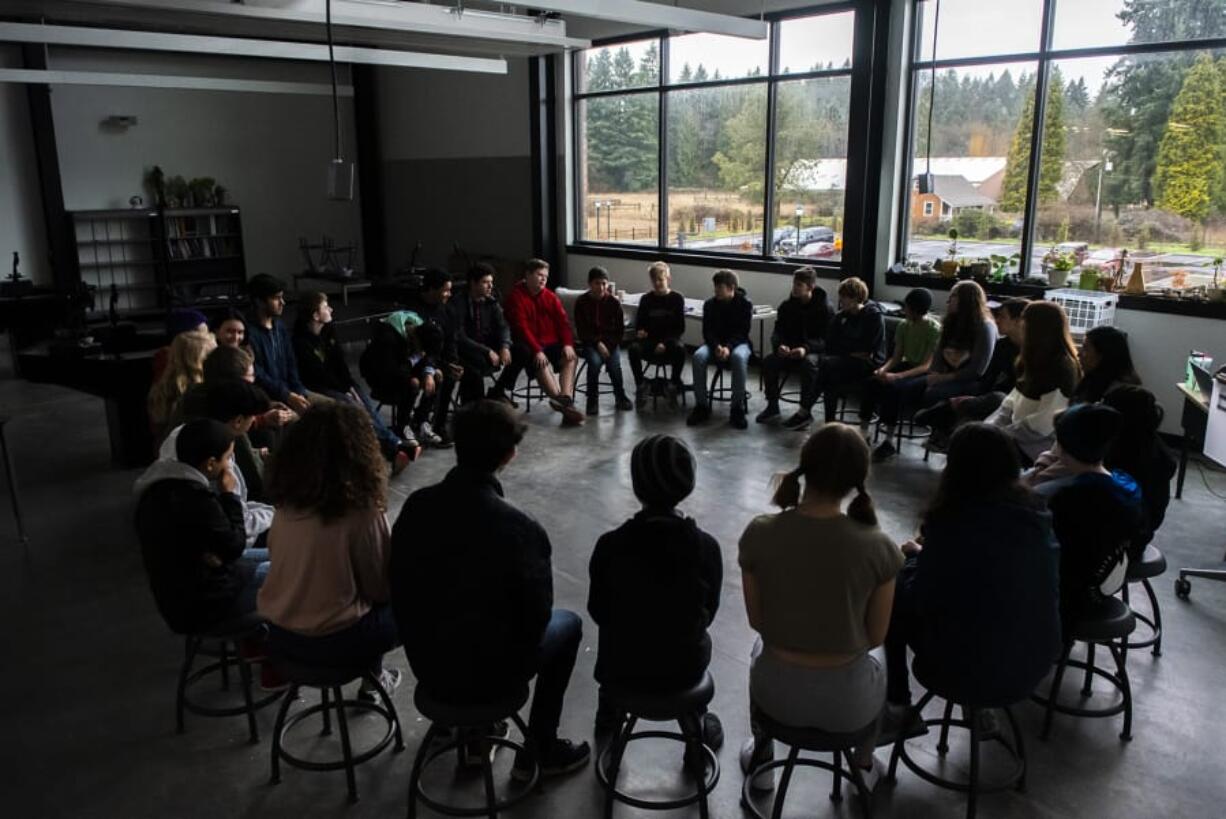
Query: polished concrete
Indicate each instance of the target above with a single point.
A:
(90, 669)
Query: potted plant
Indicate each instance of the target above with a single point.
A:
(1002, 266)
(1059, 267)
(1217, 292)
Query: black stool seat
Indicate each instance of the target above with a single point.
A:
(686, 707)
(664, 707)
(1110, 620)
(460, 716)
(329, 680)
(227, 635)
(1151, 564)
(838, 744)
(474, 728)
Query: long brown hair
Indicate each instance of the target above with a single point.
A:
(329, 463)
(981, 466)
(960, 328)
(184, 367)
(833, 462)
(1049, 357)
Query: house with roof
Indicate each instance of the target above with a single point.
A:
(949, 196)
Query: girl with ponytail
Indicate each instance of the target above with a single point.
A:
(819, 584)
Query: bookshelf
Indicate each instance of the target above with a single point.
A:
(203, 250)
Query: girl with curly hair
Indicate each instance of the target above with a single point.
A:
(326, 596)
(184, 368)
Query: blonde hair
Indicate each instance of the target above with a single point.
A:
(854, 288)
(659, 270)
(184, 367)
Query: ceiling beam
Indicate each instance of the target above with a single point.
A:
(240, 47)
(389, 15)
(36, 76)
(657, 15)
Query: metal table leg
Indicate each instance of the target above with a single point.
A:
(8, 471)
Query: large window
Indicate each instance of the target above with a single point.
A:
(1131, 161)
(748, 137)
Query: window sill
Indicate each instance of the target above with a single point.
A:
(826, 268)
(1148, 304)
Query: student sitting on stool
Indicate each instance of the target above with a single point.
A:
(725, 332)
(483, 338)
(798, 341)
(659, 325)
(601, 323)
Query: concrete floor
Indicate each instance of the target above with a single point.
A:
(88, 693)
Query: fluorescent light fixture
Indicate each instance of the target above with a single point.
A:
(658, 15)
(240, 47)
(387, 15)
(26, 75)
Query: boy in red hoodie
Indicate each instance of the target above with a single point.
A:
(542, 339)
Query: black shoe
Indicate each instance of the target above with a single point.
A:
(558, 757)
(698, 415)
(737, 419)
(499, 394)
(712, 731)
(593, 407)
(471, 756)
(798, 420)
(623, 403)
(884, 451)
(924, 416)
(771, 411)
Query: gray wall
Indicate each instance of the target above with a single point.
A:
(21, 218)
(456, 163)
(269, 150)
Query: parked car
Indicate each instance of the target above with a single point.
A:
(818, 250)
(1107, 258)
(787, 245)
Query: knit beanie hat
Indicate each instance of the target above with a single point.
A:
(1085, 431)
(183, 320)
(661, 471)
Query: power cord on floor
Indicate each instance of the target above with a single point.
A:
(1204, 476)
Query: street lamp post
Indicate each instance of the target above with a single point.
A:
(800, 211)
(597, 205)
(1104, 164)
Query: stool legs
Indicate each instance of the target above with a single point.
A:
(418, 761)
(1121, 674)
(346, 751)
(972, 716)
(620, 740)
(190, 647)
(1054, 691)
(1153, 604)
(244, 674)
(1087, 685)
(278, 728)
(785, 780)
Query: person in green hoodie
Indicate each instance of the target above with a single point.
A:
(398, 365)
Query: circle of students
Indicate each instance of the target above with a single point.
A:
(1054, 470)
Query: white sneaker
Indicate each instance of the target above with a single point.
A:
(427, 435)
(874, 774)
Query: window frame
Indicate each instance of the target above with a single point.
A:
(1044, 58)
(858, 150)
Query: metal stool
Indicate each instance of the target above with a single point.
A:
(686, 708)
(660, 382)
(787, 396)
(530, 391)
(227, 637)
(838, 745)
(972, 786)
(604, 387)
(329, 682)
(469, 724)
(1152, 564)
(1108, 626)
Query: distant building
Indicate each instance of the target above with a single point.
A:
(985, 173)
(950, 196)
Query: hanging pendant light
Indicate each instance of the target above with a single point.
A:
(340, 172)
(927, 183)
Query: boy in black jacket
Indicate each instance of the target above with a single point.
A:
(725, 332)
(659, 325)
(430, 303)
(472, 590)
(855, 347)
(192, 538)
(483, 337)
(655, 586)
(798, 341)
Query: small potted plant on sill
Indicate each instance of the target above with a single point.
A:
(1003, 266)
(1059, 267)
(1217, 292)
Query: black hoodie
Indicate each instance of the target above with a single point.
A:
(726, 323)
(803, 324)
(859, 332)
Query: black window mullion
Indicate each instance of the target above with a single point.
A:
(1030, 217)
(768, 192)
(662, 149)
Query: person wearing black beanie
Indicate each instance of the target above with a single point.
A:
(655, 586)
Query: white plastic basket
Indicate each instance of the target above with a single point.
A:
(1086, 309)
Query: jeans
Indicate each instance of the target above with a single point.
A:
(773, 368)
(555, 661)
(260, 556)
(892, 397)
(613, 365)
(361, 644)
(389, 441)
(838, 374)
(738, 363)
(435, 408)
(644, 351)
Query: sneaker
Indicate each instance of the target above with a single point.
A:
(798, 420)
(593, 407)
(400, 462)
(271, 680)
(571, 417)
(771, 411)
(712, 731)
(737, 419)
(558, 757)
(389, 680)
(924, 416)
(470, 754)
(560, 403)
(872, 775)
(431, 438)
(900, 721)
(623, 404)
(751, 760)
(698, 415)
(884, 451)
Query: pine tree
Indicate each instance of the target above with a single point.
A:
(1051, 163)
(1017, 166)
(1188, 175)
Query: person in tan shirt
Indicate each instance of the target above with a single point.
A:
(326, 595)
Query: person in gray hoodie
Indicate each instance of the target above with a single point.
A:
(192, 536)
